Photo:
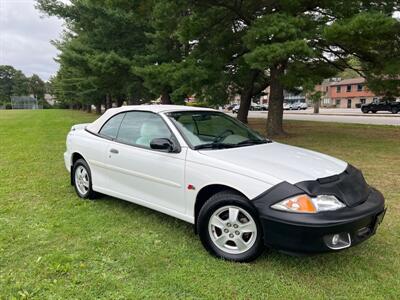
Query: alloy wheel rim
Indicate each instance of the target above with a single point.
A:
(232, 229)
(82, 180)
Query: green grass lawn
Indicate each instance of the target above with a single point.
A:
(54, 245)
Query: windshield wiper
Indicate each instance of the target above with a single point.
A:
(218, 145)
(214, 145)
(252, 142)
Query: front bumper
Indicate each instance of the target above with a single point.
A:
(309, 233)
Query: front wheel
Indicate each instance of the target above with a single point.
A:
(229, 228)
(83, 179)
(395, 110)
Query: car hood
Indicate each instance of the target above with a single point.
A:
(280, 161)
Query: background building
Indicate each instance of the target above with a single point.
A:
(345, 93)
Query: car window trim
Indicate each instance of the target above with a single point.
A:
(173, 137)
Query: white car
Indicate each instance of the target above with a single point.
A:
(240, 190)
(298, 106)
(235, 109)
(287, 106)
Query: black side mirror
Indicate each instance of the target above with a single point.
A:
(162, 144)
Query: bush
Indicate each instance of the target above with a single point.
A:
(198, 104)
(8, 106)
(46, 105)
(61, 105)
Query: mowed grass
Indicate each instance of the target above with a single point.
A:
(54, 245)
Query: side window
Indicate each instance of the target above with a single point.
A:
(140, 128)
(110, 128)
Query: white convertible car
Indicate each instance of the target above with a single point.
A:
(240, 190)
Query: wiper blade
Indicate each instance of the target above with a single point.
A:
(218, 145)
(214, 146)
(253, 142)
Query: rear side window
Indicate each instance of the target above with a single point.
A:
(111, 127)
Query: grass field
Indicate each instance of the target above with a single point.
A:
(54, 245)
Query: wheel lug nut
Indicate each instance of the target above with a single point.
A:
(231, 235)
(229, 225)
(226, 230)
(237, 232)
(235, 226)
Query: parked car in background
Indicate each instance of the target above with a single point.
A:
(258, 107)
(303, 105)
(287, 106)
(381, 105)
(230, 106)
(235, 109)
(241, 191)
(295, 106)
(253, 107)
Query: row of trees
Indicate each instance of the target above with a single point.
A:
(136, 50)
(14, 83)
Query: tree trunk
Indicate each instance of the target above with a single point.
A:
(316, 107)
(165, 98)
(98, 108)
(246, 96)
(275, 108)
(133, 100)
(120, 101)
(108, 101)
(245, 102)
(89, 108)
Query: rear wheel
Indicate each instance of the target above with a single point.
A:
(395, 110)
(229, 228)
(374, 111)
(83, 179)
(365, 110)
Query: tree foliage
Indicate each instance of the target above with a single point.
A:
(135, 50)
(14, 83)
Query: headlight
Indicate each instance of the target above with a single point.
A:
(306, 204)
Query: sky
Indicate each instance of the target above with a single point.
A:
(25, 36)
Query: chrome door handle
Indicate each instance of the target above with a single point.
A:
(115, 151)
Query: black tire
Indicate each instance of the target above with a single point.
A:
(395, 110)
(220, 201)
(365, 111)
(89, 194)
(374, 111)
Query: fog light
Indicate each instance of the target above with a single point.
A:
(335, 239)
(338, 241)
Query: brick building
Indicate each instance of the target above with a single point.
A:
(345, 93)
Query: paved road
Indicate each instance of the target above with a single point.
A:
(336, 115)
(342, 111)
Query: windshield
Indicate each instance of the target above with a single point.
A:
(214, 130)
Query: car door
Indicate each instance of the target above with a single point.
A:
(141, 174)
(386, 106)
(97, 151)
(381, 106)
